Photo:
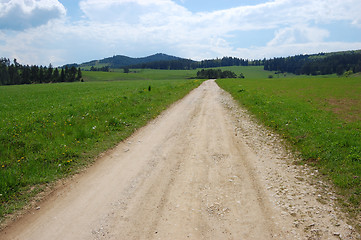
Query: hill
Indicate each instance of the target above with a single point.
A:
(120, 61)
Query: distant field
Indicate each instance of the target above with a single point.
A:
(320, 116)
(138, 74)
(151, 74)
(250, 72)
(49, 130)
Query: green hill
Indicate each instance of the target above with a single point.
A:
(120, 61)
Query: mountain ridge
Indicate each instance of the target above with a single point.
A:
(119, 61)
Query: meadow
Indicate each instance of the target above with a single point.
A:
(138, 74)
(48, 131)
(319, 116)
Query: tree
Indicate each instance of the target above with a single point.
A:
(62, 75)
(15, 73)
(56, 77)
(66, 72)
(41, 76)
(4, 74)
(71, 74)
(79, 75)
(340, 70)
(25, 75)
(215, 73)
(34, 74)
(49, 74)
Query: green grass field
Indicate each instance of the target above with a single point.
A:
(319, 116)
(138, 74)
(50, 130)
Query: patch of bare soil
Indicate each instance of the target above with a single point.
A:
(347, 109)
(202, 170)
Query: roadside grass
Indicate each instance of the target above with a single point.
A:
(320, 117)
(48, 131)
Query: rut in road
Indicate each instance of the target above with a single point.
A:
(187, 175)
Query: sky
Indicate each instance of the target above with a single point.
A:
(40, 32)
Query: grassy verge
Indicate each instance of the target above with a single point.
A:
(319, 116)
(49, 131)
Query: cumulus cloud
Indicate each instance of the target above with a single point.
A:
(298, 34)
(141, 27)
(163, 21)
(166, 15)
(23, 14)
(155, 12)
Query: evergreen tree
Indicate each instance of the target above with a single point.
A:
(41, 76)
(15, 73)
(49, 74)
(34, 71)
(79, 75)
(72, 74)
(25, 75)
(4, 74)
(62, 75)
(56, 77)
(66, 72)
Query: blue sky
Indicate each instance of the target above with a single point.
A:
(75, 31)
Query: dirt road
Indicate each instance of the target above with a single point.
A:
(202, 170)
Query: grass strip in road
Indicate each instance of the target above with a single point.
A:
(49, 131)
(302, 110)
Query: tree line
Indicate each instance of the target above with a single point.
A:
(216, 73)
(13, 73)
(318, 64)
(181, 64)
(100, 69)
(187, 64)
(228, 61)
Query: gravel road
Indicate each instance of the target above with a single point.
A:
(204, 169)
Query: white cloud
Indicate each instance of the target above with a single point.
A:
(142, 27)
(23, 14)
(132, 11)
(164, 22)
(298, 34)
